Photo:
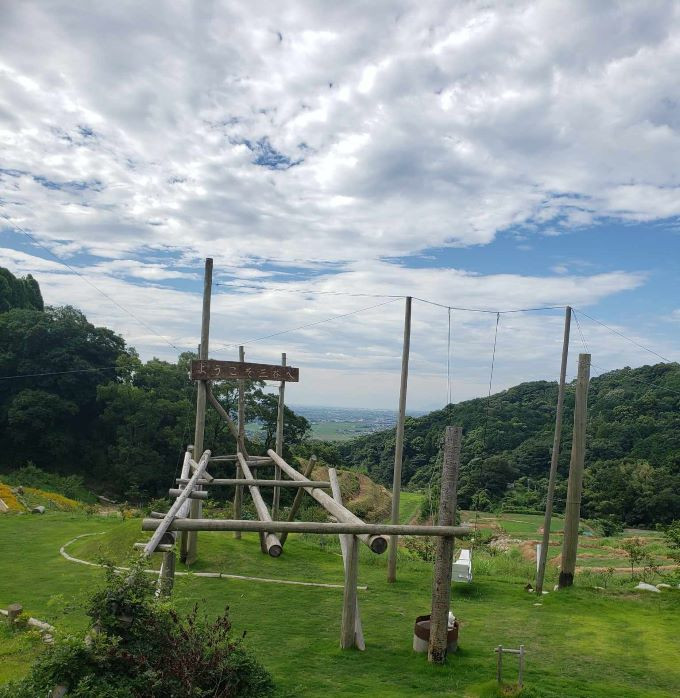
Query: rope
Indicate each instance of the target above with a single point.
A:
(448, 361)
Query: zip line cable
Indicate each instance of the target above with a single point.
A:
(302, 327)
(57, 373)
(494, 312)
(580, 331)
(623, 336)
(89, 283)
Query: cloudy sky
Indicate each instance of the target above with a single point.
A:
(483, 155)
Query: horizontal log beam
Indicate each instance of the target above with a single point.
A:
(311, 527)
(197, 494)
(233, 459)
(259, 482)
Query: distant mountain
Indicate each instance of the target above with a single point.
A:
(633, 446)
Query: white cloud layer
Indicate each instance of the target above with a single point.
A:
(415, 125)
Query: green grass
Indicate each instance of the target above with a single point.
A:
(580, 642)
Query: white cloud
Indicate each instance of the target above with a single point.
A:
(418, 125)
(354, 359)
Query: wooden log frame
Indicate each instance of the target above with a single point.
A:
(376, 543)
(333, 529)
(352, 634)
(164, 525)
(441, 578)
(272, 542)
(309, 468)
(260, 483)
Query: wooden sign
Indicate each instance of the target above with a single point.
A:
(211, 369)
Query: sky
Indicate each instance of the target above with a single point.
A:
(333, 158)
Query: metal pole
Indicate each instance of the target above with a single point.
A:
(196, 505)
(399, 443)
(557, 440)
(572, 511)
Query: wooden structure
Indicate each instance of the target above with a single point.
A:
(500, 650)
(195, 482)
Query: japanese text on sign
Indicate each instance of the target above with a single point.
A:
(211, 369)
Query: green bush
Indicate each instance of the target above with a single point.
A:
(139, 646)
(70, 486)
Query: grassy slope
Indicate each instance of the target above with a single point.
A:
(579, 643)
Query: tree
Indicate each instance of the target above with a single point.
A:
(19, 292)
(636, 552)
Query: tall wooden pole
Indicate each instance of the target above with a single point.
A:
(357, 639)
(349, 599)
(241, 440)
(572, 512)
(279, 441)
(196, 504)
(557, 441)
(441, 580)
(399, 443)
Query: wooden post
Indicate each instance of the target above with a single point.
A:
(555, 456)
(14, 610)
(272, 543)
(349, 598)
(167, 579)
(572, 511)
(279, 441)
(186, 470)
(196, 507)
(399, 443)
(298, 496)
(520, 676)
(441, 580)
(499, 665)
(345, 543)
(241, 441)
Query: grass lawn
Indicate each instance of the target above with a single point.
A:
(580, 643)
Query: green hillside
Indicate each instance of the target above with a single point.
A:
(633, 446)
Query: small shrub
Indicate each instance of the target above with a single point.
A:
(139, 646)
(607, 527)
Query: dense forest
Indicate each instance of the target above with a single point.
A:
(75, 400)
(633, 447)
(97, 411)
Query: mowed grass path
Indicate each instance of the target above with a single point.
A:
(580, 643)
